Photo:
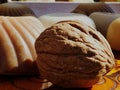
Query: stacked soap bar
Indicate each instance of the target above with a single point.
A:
(17, 37)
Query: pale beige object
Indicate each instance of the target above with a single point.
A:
(102, 20)
(17, 37)
(52, 18)
(35, 0)
(113, 34)
(15, 9)
(88, 8)
(82, 1)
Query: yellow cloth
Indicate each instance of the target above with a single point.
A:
(111, 81)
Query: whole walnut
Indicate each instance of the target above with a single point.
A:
(72, 54)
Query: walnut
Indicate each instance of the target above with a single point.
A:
(69, 52)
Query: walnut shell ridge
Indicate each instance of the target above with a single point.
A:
(70, 51)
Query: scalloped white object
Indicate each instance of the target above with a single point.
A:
(17, 37)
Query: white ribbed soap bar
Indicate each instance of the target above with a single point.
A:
(17, 37)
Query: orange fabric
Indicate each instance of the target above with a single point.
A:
(111, 81)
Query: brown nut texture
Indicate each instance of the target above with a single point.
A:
(70, 52)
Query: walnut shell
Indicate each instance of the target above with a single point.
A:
(69, 52)
(17, 37)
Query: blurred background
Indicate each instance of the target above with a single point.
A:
(64, 0)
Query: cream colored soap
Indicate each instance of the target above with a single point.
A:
(15, 9)
(50, 19)
(17, 37)
(102, 20)
(39, 0)
(113, 34)
(82, 1)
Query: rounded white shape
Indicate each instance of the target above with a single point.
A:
(40, 0)
(82, 1)
(17, 37)
(113, 34)
(103, 20)
(50, 19)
